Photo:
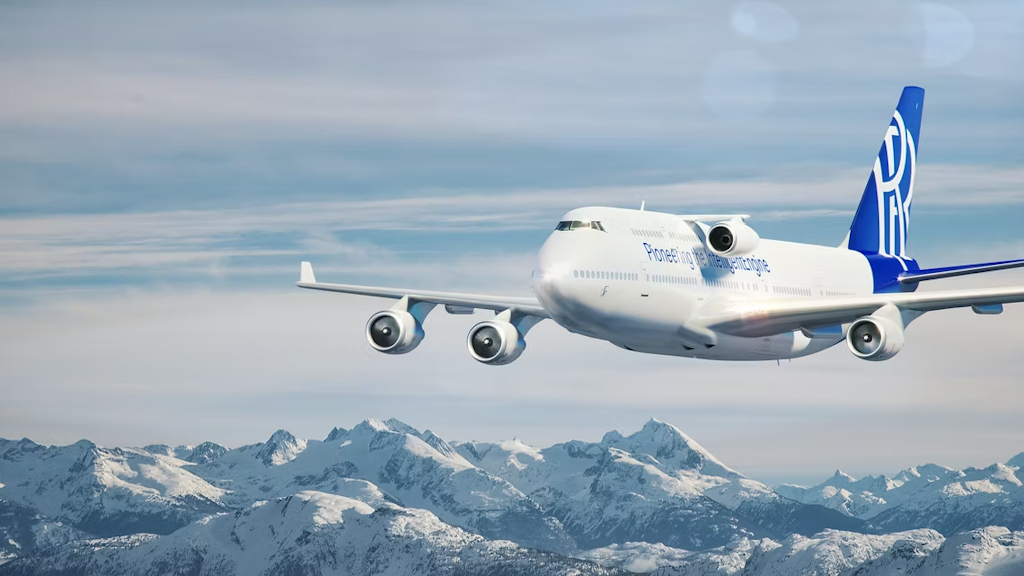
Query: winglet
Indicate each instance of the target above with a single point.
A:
(306, 275)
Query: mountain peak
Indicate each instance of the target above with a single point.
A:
(280, 448)
(1017, 461)
(371, 425)
(397, 425)
(843, 477)
(161, 449)
(439, 444)
(611, 437)
(655, 424)
(670, 446)
(206, 452)
(335, 433)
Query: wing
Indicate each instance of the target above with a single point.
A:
(711, 217)
(457, 301)
(754, 318)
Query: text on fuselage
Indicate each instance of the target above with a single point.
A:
(706, 259)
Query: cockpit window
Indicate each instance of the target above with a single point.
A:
(567, 225)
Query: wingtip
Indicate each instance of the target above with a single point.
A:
(306, 274)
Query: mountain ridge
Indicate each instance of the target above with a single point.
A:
(654, 499)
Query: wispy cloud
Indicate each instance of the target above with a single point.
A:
(449, 70)
(82, 244)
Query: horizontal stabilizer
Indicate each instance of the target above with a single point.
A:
(953, 271)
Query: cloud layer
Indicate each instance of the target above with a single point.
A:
(163, 169)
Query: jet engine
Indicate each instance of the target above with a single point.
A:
(394, 332)
(874, 338)
(495, 342)
(732, 239)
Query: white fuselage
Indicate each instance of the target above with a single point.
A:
(646, 280)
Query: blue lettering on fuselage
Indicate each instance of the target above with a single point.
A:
(703, 258)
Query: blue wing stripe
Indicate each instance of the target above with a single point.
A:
(953, 271)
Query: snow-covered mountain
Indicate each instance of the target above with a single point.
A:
(928, 496)
(307, 533)
(413, 469)
(995, 551)
(385, 498)
(656, 485)
(105, 491)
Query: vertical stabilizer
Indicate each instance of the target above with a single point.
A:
(882, 223)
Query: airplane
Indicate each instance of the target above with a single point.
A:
(707, 286)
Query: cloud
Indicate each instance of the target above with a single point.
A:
(451, 71)
(235, 365)
(193, 240)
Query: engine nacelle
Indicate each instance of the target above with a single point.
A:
(732, 239)
(394, 332)
(495, 342)
(874, 338)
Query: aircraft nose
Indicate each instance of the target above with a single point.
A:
(552, 272)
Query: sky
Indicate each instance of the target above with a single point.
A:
(165, 166)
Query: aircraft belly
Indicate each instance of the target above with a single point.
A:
(780, 347)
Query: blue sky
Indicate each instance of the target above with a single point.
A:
(163, 168)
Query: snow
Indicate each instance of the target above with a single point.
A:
(331, 508)
(419, 473)
(314, 532)
(640, 557)
(673, 449)
(915, 495)
(652, 501)
(282, 447)
(516, 449)
(68, 481)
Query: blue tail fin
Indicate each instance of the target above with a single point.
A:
(882, 223)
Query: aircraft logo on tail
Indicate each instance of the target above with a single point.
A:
(894, 187)
(882, 223)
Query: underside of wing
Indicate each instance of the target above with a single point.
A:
(759, 318)
(456, 301)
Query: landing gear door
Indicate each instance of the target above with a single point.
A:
(644, 290)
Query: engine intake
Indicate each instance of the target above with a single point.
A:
(495, 342)
(394, 332)
(874, 338)
(732, 239)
